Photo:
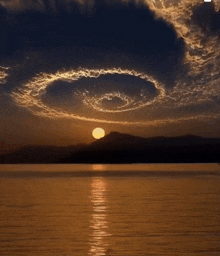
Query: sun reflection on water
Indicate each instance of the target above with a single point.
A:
(99, 224)
(98, 167)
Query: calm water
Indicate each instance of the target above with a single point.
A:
(110, 210)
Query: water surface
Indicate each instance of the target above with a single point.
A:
(110, 210)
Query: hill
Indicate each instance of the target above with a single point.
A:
(123, 148)
(38, 154)
(6, 147)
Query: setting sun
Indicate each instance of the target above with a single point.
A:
(98, 133)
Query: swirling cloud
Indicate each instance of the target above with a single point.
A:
(202, 50)
(128, 103)
(199, 87)
(29, 95)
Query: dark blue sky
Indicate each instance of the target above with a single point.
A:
(166, 56)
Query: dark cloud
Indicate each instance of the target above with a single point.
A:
(103, 30)
(155, 63)
(206, 17)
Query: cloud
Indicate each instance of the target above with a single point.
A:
(3, 74)
(202, 50)
(198, 88)
(43, 5)
(29, 96)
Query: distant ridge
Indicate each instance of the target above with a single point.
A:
(124, 148)
(119, 140)
(6, 147)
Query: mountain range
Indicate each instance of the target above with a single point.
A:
(123, 148)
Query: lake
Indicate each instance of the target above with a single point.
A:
(123, 210)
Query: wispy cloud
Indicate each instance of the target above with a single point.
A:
(200, 86)
(3, 74)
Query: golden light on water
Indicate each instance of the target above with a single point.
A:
(99, 167)
(98, 133)
(99, 224)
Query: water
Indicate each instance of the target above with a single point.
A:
(122, 210)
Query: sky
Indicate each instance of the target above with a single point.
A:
(147, 68)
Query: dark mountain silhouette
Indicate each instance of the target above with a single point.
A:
(38, 154)
(6, 147)
(116, 140)
(124, 148)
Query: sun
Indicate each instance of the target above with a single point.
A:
(98, 133)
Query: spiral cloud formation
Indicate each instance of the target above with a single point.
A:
(29, 94)
(201, 59)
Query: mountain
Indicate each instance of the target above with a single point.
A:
(39, 154)
(124, 148)
(116, 140)
(6, 147)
